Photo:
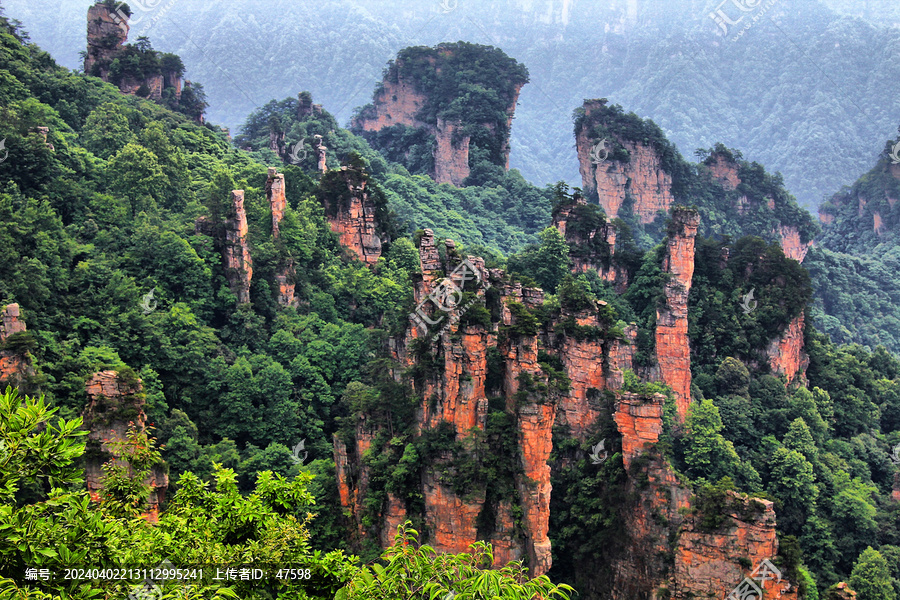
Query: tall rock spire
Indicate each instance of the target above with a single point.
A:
(673, 352)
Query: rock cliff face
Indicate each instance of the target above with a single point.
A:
(114, 403)
(15, 362)
(401, 103)
(642, 178)
(236, 249)
(791, 244)
(704, 561)
(107, 32)
(594, 251)
(785, 353)
(285, 273)
(467, 371)
(673, 353)
(352, 216)
(451, 154)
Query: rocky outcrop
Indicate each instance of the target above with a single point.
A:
(464, 369)
(115, 403)
(321, 151)
(107, 32)
(351, 215)
(16, 367)
(785, 353)
(236, 249)
(593, 250)
(663, 518)
(639, 420)
(791, 244)
(673, 353)
(399, 102)
(724, 171)
(285, 272)
(642, 177)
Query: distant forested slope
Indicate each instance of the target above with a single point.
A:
(805, 91)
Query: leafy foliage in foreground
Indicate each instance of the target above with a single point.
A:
(416, 571)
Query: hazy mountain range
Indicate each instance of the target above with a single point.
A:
(811, 89)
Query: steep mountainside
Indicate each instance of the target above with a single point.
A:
(639, 406)
(855, 261)
(630, 168)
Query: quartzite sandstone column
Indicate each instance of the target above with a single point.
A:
(673, 353)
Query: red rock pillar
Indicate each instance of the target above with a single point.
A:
(113, 404)
(673, 353)
(236, 251)
(284, 276)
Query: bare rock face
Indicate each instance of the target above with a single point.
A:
(107, 31)
(236, 249)
(785, 353)
(400, 103)
(642, 177)
(16, 368)
(451, 156)
(639, 420)
(725, 172)
(709, 560)
(352, 217)
(114, 403)
(673, 353)
(791, 244)
(285, 274)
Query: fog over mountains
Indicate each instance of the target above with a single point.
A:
(811, 89)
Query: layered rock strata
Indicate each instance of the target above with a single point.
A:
(352, 217)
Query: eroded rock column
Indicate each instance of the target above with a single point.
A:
(236, 249)
(673, 352)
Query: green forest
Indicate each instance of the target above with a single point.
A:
(105, 210)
